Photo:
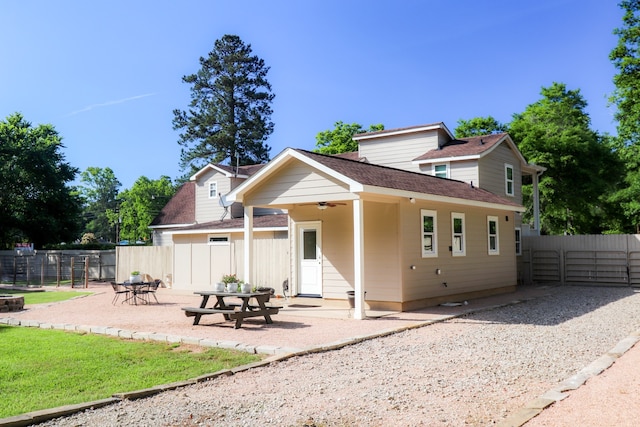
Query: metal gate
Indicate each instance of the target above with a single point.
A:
(545, 266)
(596, 267)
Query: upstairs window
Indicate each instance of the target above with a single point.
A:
(213, 189)
(429, 240)
(492, 233)
(508, 180)
(458, 239)
(441, 171)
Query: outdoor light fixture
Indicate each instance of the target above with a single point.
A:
(322, 205)
(412, 200)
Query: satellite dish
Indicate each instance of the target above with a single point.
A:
(222, 201)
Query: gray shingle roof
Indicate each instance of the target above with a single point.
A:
(463, 147)
(181, 207)
(264, 221)
(397, 179)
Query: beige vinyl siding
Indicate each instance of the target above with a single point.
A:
(465, 171)
(491, 170)
(337, 247)
(298, 183)
(381, 249)
(209, 209)
(382, 252)
(162, 238)
(399, 151)
(476, 271)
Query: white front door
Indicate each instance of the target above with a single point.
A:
(310, 259)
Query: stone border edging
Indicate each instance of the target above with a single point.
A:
(556, 394)
(277, 354)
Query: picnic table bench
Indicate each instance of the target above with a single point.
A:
(233, 311)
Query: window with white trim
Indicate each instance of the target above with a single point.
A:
(518, 241)
(218, 239)
(458, 239)
(492, 235)
(508, 180)
(213, 189)
(441, 170)
(429, 233)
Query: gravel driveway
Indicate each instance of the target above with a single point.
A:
(473, 370)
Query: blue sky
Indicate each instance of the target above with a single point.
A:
(107, 74)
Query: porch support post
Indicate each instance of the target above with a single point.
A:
(358, 259)
(536, 203)
(248, 244)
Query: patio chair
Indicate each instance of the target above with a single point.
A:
(118, 289)
(151, 290)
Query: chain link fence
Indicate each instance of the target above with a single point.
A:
(46, 268)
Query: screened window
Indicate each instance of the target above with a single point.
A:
(441, 171)
(213, 190)
(458, 239)
(508, 180)
(518, 242)
(218, 239)
(492, 233)
(429, 241)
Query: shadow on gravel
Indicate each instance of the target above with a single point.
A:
(559, 305)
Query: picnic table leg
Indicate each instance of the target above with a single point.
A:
(203, 304)
(267, 316)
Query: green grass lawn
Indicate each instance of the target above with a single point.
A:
(42, 369)
(43, 297)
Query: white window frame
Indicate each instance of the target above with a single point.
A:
(518, 236)
(455, 251)
(496, 236)
(446, 165)
(213, 186)
(219, 239)
(434, 234)
(508, 181)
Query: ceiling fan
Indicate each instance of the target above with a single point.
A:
(324, 205)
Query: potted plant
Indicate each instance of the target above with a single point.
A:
(231, 282)
(245, 288)
(135, 277)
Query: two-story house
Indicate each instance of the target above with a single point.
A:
(414, 218)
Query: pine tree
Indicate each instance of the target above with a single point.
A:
(229, 116)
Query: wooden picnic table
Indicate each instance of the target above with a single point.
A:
(233, 311)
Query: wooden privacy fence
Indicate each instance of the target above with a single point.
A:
(39, 268)
(603, 260)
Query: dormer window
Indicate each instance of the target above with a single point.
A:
(213, 190)
(441, 170)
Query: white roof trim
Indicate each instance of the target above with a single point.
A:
(171, 225)
(228, 174)
(443, 199)
(506, 138)
(238, 193)
(403, 131)
(225, 230)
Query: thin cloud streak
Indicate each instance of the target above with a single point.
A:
(108, 103)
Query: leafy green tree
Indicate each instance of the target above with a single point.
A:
(139, 205)
(479, 126)
(581, 167)
(99, 188)
(229, 117)
(626, 97)
(340, 139)
(36, 204)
